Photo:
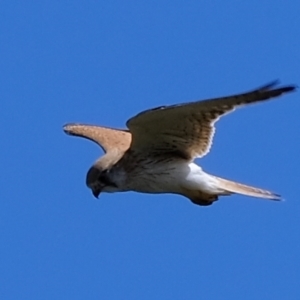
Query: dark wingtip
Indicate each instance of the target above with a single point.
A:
(283, 89)
(289, 88)
(270, 85)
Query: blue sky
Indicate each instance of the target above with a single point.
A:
(101, 62)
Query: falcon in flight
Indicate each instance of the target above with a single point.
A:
(156, 153)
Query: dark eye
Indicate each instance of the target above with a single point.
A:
(104, 178)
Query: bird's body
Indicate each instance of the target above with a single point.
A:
(175, 177)
(157, 154)
(152, 177)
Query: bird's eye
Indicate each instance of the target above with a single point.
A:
(104, 178)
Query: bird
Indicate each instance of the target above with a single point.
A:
(156, 153)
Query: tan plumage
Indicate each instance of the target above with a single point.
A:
(106, 138)
(156, 154)
(189, 127)
(239, 188)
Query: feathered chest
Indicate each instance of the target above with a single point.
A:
(147, 174)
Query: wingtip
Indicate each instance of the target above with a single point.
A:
(69, 128)
(66, 128)
(276, 82)
(270, 85)
(289, 88)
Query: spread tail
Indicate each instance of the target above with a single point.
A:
(239, 188)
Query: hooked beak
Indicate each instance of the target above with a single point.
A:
(96, 192)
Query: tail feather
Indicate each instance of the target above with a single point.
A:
(239, 188)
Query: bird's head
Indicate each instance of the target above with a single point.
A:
(98, 178)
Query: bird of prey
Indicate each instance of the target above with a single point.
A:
(156, 153)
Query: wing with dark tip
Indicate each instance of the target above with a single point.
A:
(188, 129)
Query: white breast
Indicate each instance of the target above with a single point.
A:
(167, 177)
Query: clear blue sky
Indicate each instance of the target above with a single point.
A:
(101, 62)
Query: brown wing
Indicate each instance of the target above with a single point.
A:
(187, 129)
(107, 138)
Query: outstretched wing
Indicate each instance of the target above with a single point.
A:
(187, 129)
(107, 138)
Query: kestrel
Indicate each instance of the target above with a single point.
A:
(156, 155)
